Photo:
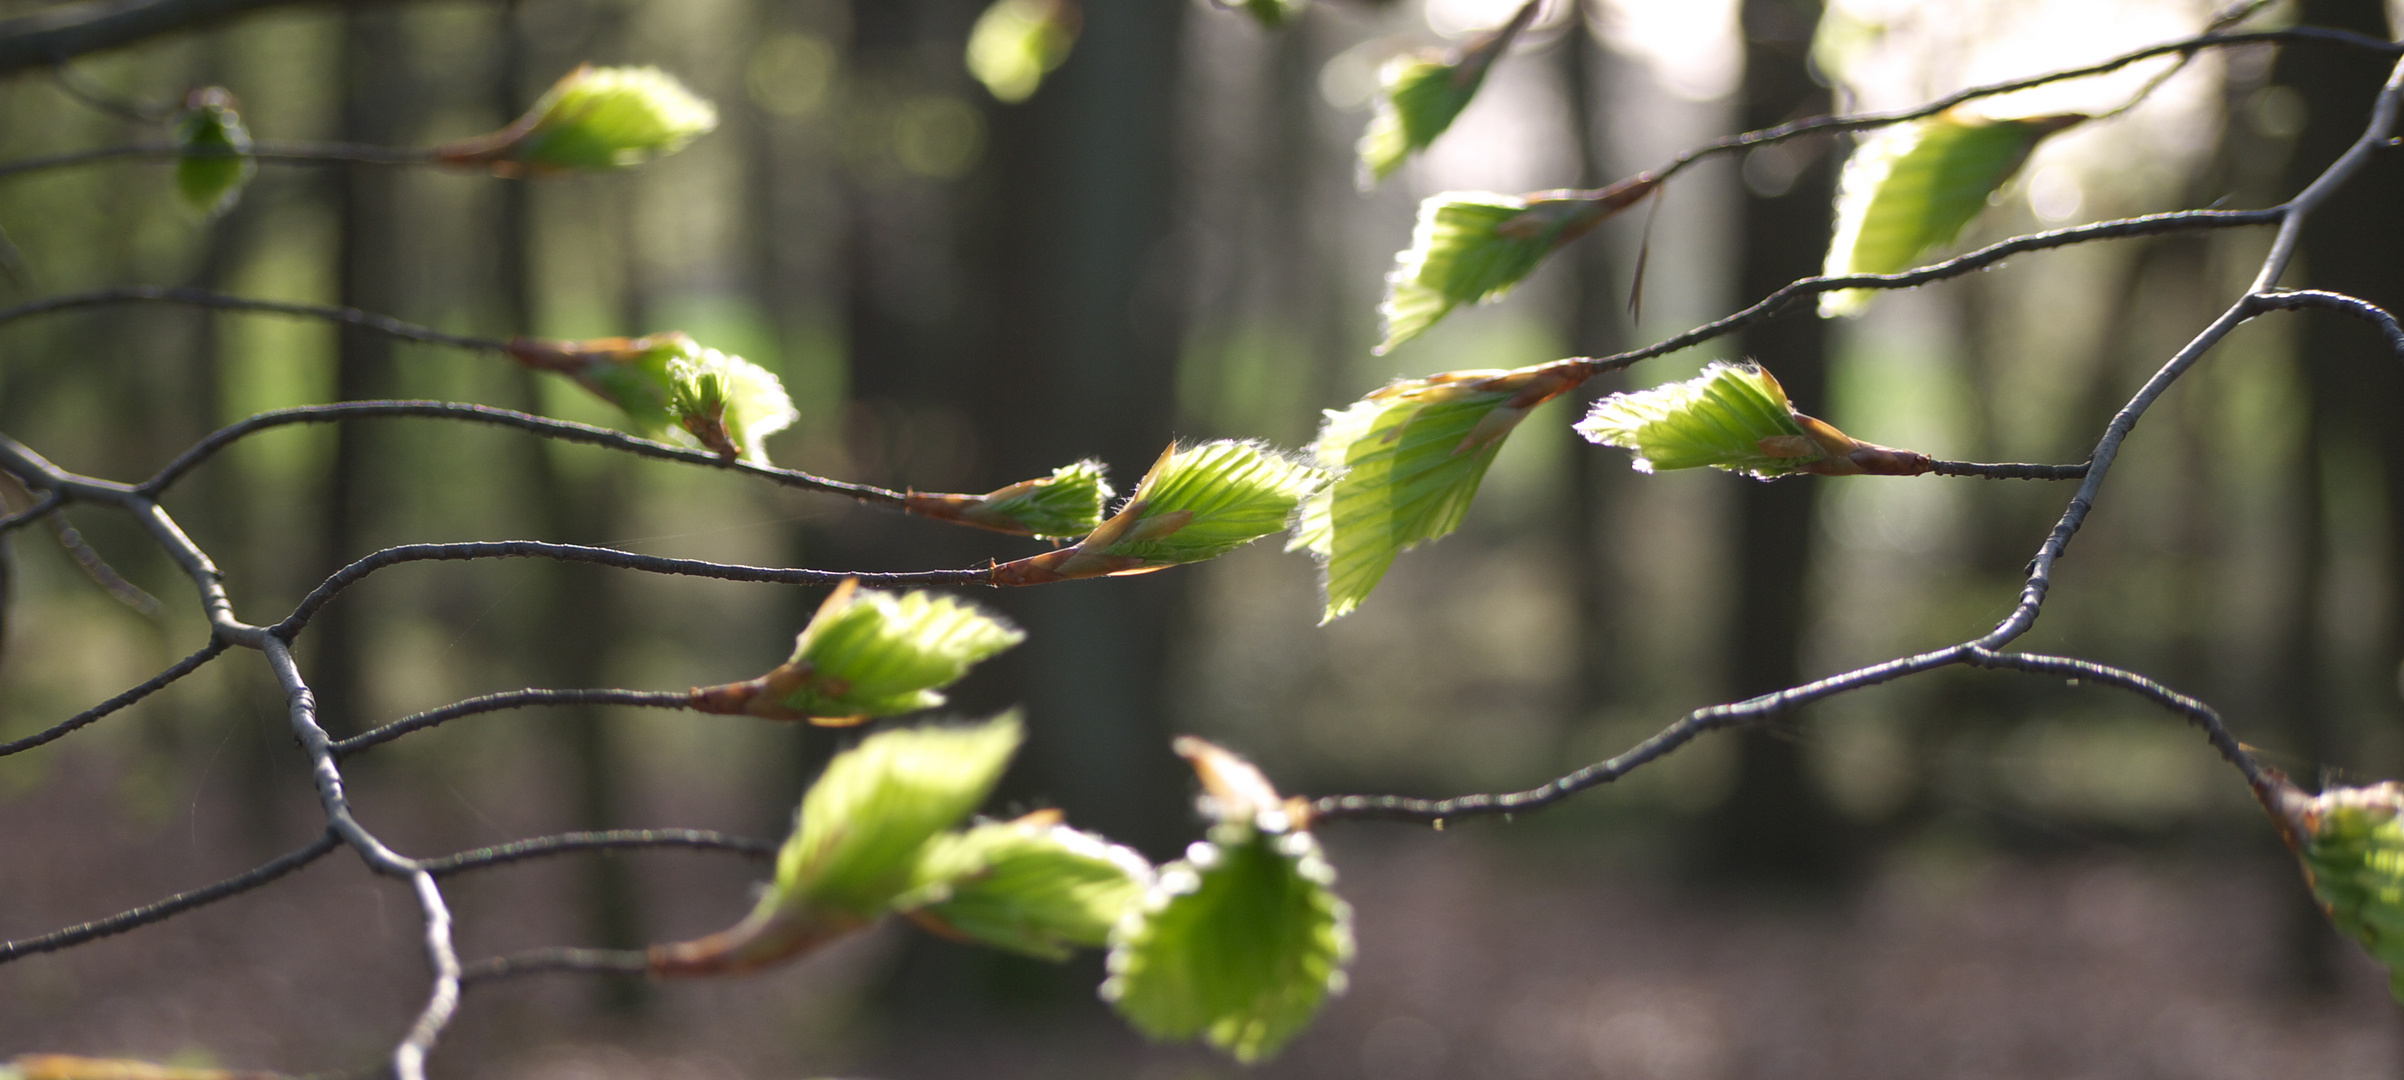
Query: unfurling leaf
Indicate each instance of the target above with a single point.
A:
(1272, 13)
(1061, 506)
(1911, 188)
(1473, 246)
(1031, 886)
(1407, 461)
(2351, 842)
(856, 845)
(1421, 93)
(868, 653)
(593, 118)
(65, 1067)
(216, 146)
(1018, 42)
(1241, 941)
(1196, 503)
(674, 389)
(1735, 417)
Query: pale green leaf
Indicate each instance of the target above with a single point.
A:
(2351, 841)
(1408, 460)
(1470, 247)
(713, 393)
(1064, 505)
(1718, 418)
(871, 653)
(1239, 944)
(1018, 42)
(1029, 886)
(212, 172)
(1201, 502)
(1911, 188)
(1272, 13)
(856, 845)
(591, 119)
(1421, 94)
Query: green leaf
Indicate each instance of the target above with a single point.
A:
(1239, 943)
(1408, 459)
(1196, 503)
(593, 119)
(674, 389)
(2351, 841)
(1422, 93)
(1473, 246)
(1018, 42)
(1031, 886)
(1064, 505)
(210, 176)
(1719, 418)
(856, 845)
(1911, 188)
(868, 653)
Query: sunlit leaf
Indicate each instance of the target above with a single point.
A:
(1061, 506)
(1421, 93)
(1239, 943)
(855, 847)
(1196, 503)
(1911, 188)
(1031, 886)
(594, 118)
(1408, 459)
(213, 169)
(674, 389)
(1473, 246)
(1018, 42)
(2351, 841)
(869, 653)
(1735, 417)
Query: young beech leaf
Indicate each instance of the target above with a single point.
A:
(64, 1067)
(1196, 503)
(868, 653)
(1031, 886)
(1472, 246)
(1735, 417)
(855, 844)
(1061, 506)
(674, 389)
(593, 118)
(2351, 842)
(215, 164)
(1407, 460)
(1912, 188)
(1239, 943)
(1421, 93)
(1018, 42)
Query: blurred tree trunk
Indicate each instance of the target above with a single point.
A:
(576, 616)
(1080, 361)
(369, 274)
(2353, 386)
(1777, 825)
(1595, 329)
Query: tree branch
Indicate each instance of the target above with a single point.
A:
(611, 840)
(173, 905)
(515, 699)
(181, 668)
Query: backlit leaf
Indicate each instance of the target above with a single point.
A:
(869, 653)
(1735, 417)
(1420, 94)
(856, 845)
(1239, 943)
(674, 389)
(2351, 841)
(1061, 506)
(1031, 886)
(591, 119)
(1408, 459)
(1473, 246)
(211, 173)
(1196, 503)
(1018, 42)
(1911, 188)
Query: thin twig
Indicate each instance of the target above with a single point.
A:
(553, 961)
(611, 840)
(624, 560)
(2287, 300)
(181, 668)
(173, 905)
(276, 153)
(2008, 470)
(515, 699)
(204, 298)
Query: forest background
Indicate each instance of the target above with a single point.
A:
(1963, 875)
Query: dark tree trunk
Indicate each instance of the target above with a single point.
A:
(1777, 825)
